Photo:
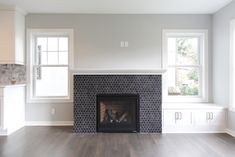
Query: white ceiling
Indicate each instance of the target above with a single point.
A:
(120, 6)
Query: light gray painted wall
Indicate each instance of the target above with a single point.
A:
(97, 45)
(221, 21)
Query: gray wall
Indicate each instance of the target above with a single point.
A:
(221, 21)
(97, 45)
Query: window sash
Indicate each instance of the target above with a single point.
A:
(201, 64)
(32, 35)
(199, 82)
(37, 52)
(187, 66)
(35, 76)
(38, 65)
(175, 52)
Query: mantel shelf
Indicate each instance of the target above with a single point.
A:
(117, 72)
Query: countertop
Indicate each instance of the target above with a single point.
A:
(11, 85)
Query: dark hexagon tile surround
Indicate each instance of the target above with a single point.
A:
(149, 88)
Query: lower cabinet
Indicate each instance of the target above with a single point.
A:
(210, 120)
(194, 120)
(180, 118)
(12, 108)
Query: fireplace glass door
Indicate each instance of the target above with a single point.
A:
(117, 113)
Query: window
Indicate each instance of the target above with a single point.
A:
(186, 63)
(49, 65)
(232, 64)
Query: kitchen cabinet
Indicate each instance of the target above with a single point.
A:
(12, 38)
(12, 108)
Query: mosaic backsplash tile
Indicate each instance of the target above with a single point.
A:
(149, 88)
(12, 74)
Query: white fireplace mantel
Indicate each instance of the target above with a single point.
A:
(118, 71)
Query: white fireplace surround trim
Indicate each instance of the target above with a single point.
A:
(118, 71)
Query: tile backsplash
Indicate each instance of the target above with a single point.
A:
(12, 74)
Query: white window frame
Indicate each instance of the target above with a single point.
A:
(232, 66)
(31, 34)
(203, 36)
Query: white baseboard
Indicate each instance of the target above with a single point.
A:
(6, 132)
(230, 132)
(193, 132)
(3, 132)
(49, 123)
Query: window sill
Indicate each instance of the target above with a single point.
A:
(46, 101)
(182, 99)
(190, 105)
(232, 109)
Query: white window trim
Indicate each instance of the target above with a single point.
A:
(31, 33)
(231, 65)
(203, 35)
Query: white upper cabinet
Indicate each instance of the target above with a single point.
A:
(12, 36)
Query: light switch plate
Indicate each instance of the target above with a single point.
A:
(122, 44)
(126, 44)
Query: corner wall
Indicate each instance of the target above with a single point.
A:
(221, 41)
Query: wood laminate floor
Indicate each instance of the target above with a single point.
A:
(61, 142)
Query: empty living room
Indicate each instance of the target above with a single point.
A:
(117, 78)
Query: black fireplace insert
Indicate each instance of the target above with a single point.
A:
(117, 113)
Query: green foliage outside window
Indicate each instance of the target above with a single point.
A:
(188, 77)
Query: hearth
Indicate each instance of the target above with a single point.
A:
(117, 113)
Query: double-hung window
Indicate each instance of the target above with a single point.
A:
(232, 65)
(50, 63)
(186, 63)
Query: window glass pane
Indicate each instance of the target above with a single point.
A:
(63, 44)
(183, 81)
(171, 51)
(52, 58)
(52, 44)
(63, 58)
(41, 41)
(53, 82)
(44, 58)
(187, 51)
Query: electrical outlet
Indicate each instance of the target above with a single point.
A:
(53, 111)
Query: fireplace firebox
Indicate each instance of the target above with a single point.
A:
(117, 113)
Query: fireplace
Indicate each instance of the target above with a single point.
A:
(88, 87)
(117, 113)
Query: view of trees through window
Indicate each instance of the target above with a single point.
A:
(183, 66)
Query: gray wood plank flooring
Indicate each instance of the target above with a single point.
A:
(62, 142)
